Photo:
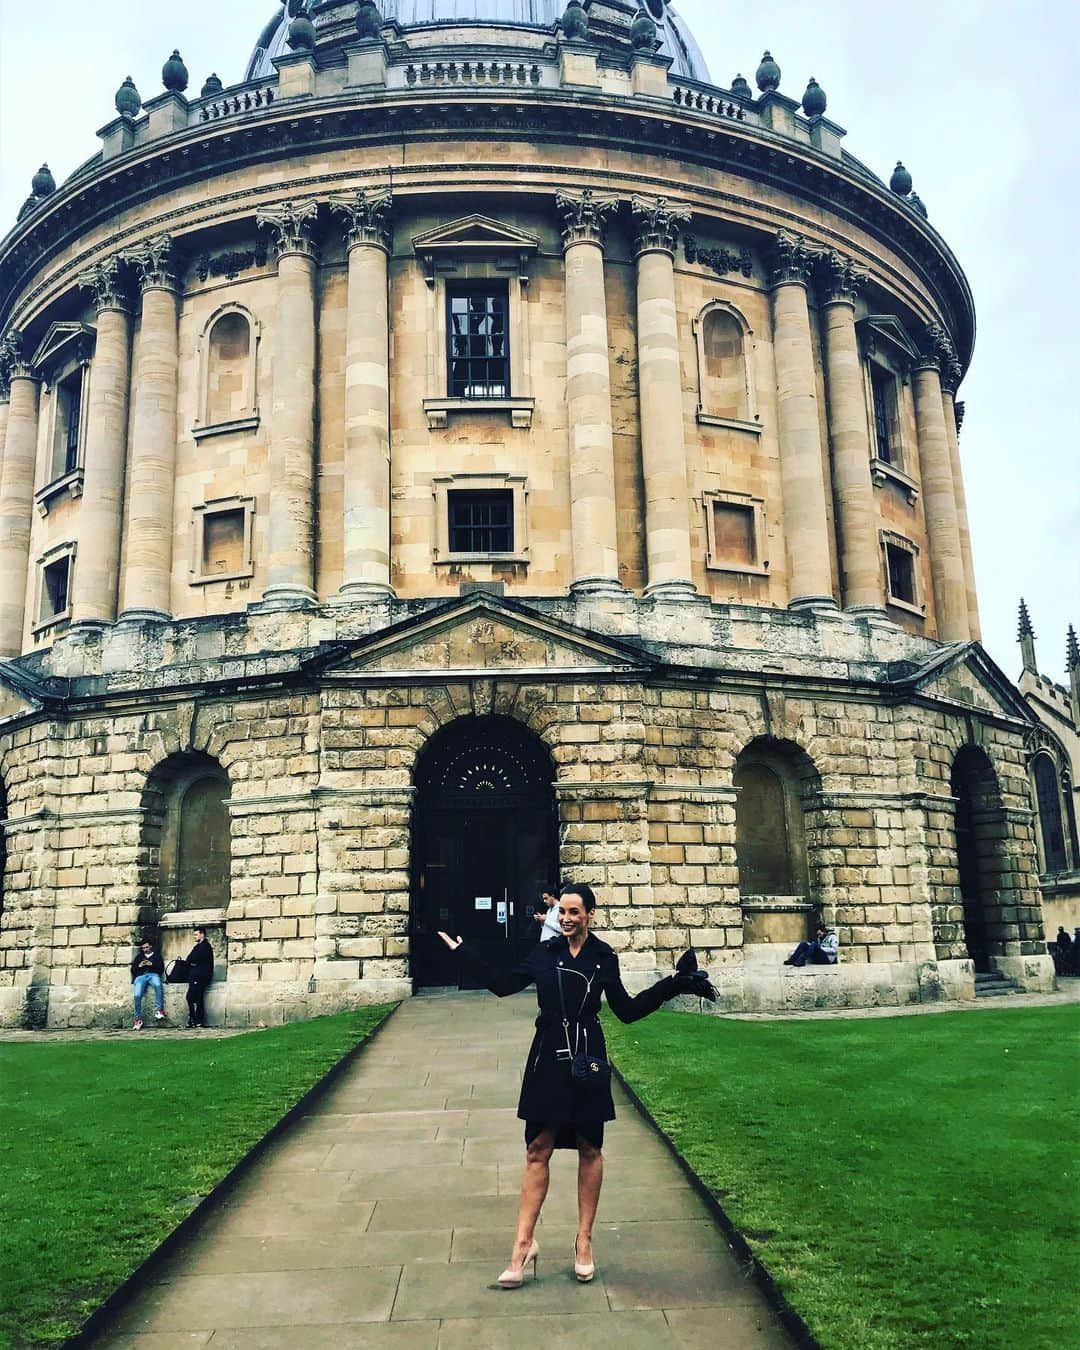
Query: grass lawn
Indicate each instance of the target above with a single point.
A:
(908, 1181)
(106, 1145)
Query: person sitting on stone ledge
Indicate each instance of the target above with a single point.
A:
(146, 971)
(823, 951)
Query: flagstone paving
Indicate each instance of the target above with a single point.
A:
(383, 1217)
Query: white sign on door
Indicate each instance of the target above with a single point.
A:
(483, 902)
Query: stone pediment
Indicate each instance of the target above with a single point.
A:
(964, 674)
(475, 232)
(477, 636)
(63, 341)
(885, 331)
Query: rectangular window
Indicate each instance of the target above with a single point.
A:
(881, 383)
(223, 542)
(55, 585)
(67, 425)
(481, 522)
(477, 348)
(901, 565)
(734, 533)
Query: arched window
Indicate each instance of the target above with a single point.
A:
(1048, 802)
(726, 391)
(770, 835)
(229, 352)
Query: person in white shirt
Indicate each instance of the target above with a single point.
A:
(823, 951)
(549, 915)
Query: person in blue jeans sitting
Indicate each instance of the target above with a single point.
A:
(146, 972)
(823, 951)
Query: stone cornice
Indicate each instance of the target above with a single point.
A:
(107, 283)
(292, 227)
(102, 190)
(155, 264)
(367, 217)
(583, 215)
(657, 221)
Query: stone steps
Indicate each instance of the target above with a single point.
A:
(991, 984)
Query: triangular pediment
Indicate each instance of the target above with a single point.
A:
(964, 674)
(64, 341)
(20, 694)
(475, 232)
(477, 636)
(886, 332)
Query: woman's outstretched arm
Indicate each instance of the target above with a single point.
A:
(500, 982)
(633, 1007)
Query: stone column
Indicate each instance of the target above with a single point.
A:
(148, 561)
(663, 444)
(588, 394)
(802, 474)
(953, 417)
(290, 569)
(861, 576)
(366, 573)
(939, 496)
(96, 581)
(16, 491)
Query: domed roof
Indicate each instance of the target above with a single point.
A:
(675, 38)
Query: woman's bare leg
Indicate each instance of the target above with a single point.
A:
(534, 1188)
(590, 1178)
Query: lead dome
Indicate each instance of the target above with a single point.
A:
(676, 40)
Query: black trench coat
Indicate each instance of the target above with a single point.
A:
(548, 1092)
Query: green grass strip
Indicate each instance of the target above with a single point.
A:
(106, 1145)
(907, 1182)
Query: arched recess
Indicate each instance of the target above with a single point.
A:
(1047, 780)
(3, 848)
(979, 857)
(484, 842)
(187, 843)
(724, 342)
(228, 363)
(776, 783)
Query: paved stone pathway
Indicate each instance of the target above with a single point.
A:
(383, 1218)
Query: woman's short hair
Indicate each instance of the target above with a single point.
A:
(584, 892)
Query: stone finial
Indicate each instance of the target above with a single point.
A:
(740, 88)
(917, 204)
(583, 215)
(107, 282)
(575, 22)
(301, 31)
(900, 182)
(1026, 636)
(211, 88)
(643, 33)
(366, 216)
(292, 226)
(43, 184)
(839, 277)
(1072, 651)
(657, 222)
(154, 263)
(128, 100)
(174, 74)
(813, 100)
(368, 20)
(792, 259)
(768, 74)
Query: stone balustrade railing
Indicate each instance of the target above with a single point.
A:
(243, 100)
(703, 99)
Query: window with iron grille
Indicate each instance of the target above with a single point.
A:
(477, 347)
(481, 522)
(882, 384)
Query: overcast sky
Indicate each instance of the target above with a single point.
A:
(977, 97)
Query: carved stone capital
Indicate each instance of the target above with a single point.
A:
(292, 227)
(107, 283)
(838, 277)
(657, 222)
(792, 259)
(938, 352)
(155, 264)
(366, 216)
(961, 408)
(583, 215)
(14, 363)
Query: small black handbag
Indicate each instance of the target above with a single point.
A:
(593, 1073)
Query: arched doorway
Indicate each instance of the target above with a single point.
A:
(979, 824)
(485, 843)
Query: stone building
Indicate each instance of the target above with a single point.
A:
(479, 447)
(1054, 767)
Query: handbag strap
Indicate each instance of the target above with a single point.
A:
(562, 1006)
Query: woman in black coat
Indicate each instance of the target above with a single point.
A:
(559, 1110)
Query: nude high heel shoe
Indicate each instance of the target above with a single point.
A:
(584, 1272)
(514, 1279)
